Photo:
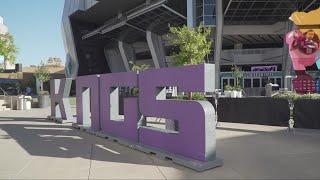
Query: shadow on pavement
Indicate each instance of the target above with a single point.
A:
(247, 153)
(40, 137)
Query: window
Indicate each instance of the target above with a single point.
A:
(206, 12)
(225, 83)
(231, 82)
(279, 82)
(265, 81)
(256, 82)
(247, 83)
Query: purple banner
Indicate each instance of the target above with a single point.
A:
(264, 68)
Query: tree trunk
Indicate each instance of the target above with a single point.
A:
(41, 86)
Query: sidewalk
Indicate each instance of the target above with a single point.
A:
(34, 148)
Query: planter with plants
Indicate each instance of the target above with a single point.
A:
(237, 73)
(234, 93)
(254, 110)
(303, 109)
(227, 90)
(137, 68)
(42, 75)
(305, 112)
(194, 46)
(239, 91)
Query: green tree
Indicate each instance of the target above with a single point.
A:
(194, 44)
(43, 75)
(137, 68)
(238, 75)
(7, 47)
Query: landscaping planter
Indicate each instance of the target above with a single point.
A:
(264, 111)
(44, 101)
(306, 114)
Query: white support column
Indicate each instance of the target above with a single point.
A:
(191, 13)
(156, 49)
(123, 55)
(218, 41)
(70, 6)
(286, 59)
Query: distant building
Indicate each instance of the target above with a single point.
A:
(3, 28)
(53, 61)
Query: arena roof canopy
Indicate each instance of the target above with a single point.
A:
(138, 16)
(264, 11)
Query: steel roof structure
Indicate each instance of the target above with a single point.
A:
(133, 23)
(261, 12)
(138, 17)
(264, 11)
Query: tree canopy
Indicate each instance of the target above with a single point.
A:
(194, 44)
(7, 47)
(42, 73)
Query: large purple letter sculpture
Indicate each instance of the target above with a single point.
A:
(88, 101)
(122, 126)
(59, 94)
(189, 137)
(195, 135)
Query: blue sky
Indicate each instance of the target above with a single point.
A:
(36, 26)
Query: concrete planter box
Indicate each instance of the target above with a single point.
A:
(306, 114)
(44, 101)
(264, 111)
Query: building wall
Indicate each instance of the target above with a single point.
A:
(70, 7)
(3, 28)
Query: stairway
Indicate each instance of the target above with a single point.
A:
(3, 106)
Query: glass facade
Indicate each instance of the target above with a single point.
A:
(206, 12)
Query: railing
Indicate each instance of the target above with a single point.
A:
(4, 92)
(252, 51)
(4, 95)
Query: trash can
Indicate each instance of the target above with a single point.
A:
(28, 102)
(21, 102)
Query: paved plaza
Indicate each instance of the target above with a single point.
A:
(34, 148)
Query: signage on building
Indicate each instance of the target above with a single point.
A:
(264, 68)
(255, 74)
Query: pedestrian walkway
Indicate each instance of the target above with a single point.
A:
(34, 148)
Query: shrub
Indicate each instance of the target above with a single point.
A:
(311, 96)
(228, 88)
(291, 96)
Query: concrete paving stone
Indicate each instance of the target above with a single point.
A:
(35, 148)
(109, 159)
(55, 168)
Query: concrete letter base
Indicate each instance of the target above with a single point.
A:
(178, 159)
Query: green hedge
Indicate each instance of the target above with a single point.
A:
(291, 96)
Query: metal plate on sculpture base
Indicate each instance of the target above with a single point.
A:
(184, 161)
(55, 119)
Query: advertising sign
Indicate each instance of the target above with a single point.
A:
(264, 68)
